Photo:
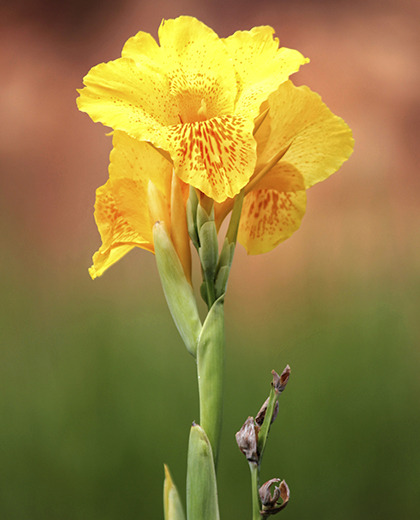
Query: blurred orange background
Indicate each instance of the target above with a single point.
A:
(359, 240)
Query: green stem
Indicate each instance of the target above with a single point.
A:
(210, 367)
(211, 343)
(253, 466)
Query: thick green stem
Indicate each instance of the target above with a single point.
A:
(210, 366)
(253, 466)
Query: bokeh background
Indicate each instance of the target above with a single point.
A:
(96, 388)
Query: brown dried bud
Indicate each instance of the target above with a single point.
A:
(259, 419)
(247, 439)
(279, 382)
(270, 502)
(266, 498)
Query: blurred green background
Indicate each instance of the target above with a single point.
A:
(96, 388)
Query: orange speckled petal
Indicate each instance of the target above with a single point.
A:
(122, 217)
(198, 66)
(216, 156)
(273, 211)
(128, 97)
(261, 66)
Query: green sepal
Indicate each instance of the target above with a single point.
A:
(203, 292)
(202, 502)
(210, 366)
(226, 254)
(209, 247)
(191, 211)
(203, 216)
(172, 505)
(223, 267)
(222, 277)
(178, 292)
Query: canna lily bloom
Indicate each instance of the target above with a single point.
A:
(141, 190)
(194, 96)
(300, 143)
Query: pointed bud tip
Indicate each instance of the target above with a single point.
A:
(280, 381)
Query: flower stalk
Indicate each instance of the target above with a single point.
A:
(202, 127)
(256, 504)
(252, 439)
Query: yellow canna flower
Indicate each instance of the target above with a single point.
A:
(195, 96)
(313, 143)
(140, 190)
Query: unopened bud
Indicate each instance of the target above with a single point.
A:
(268, 499)
(247, 439)
(279, 382)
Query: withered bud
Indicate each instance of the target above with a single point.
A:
(259, 419)
(270, 502)
(279, 382)
(247, 439)
(266, 498)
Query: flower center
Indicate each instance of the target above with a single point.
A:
(192, 109)
(202, 111)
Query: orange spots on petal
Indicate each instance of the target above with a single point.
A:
(216, 156)
(270, 217)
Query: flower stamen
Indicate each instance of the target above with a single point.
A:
(202, 111)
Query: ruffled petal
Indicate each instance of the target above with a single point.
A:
(320, 141)
(122, 217)
(273, 211)
(260, 65)
(217, 156)
(122, 206)
(142, 48)
(129, 97)
(199, 69)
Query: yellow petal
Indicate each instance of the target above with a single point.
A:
(260, 65)
(321, 141)
(129, 97)
(273, 211)
(104, 259)
(141, 47)
(123, 221)
(216, 156)
(122, 205)
(199, 69)
(139, 161)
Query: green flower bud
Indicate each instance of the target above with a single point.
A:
(178, 292)
(172, 505)
(202, 502)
